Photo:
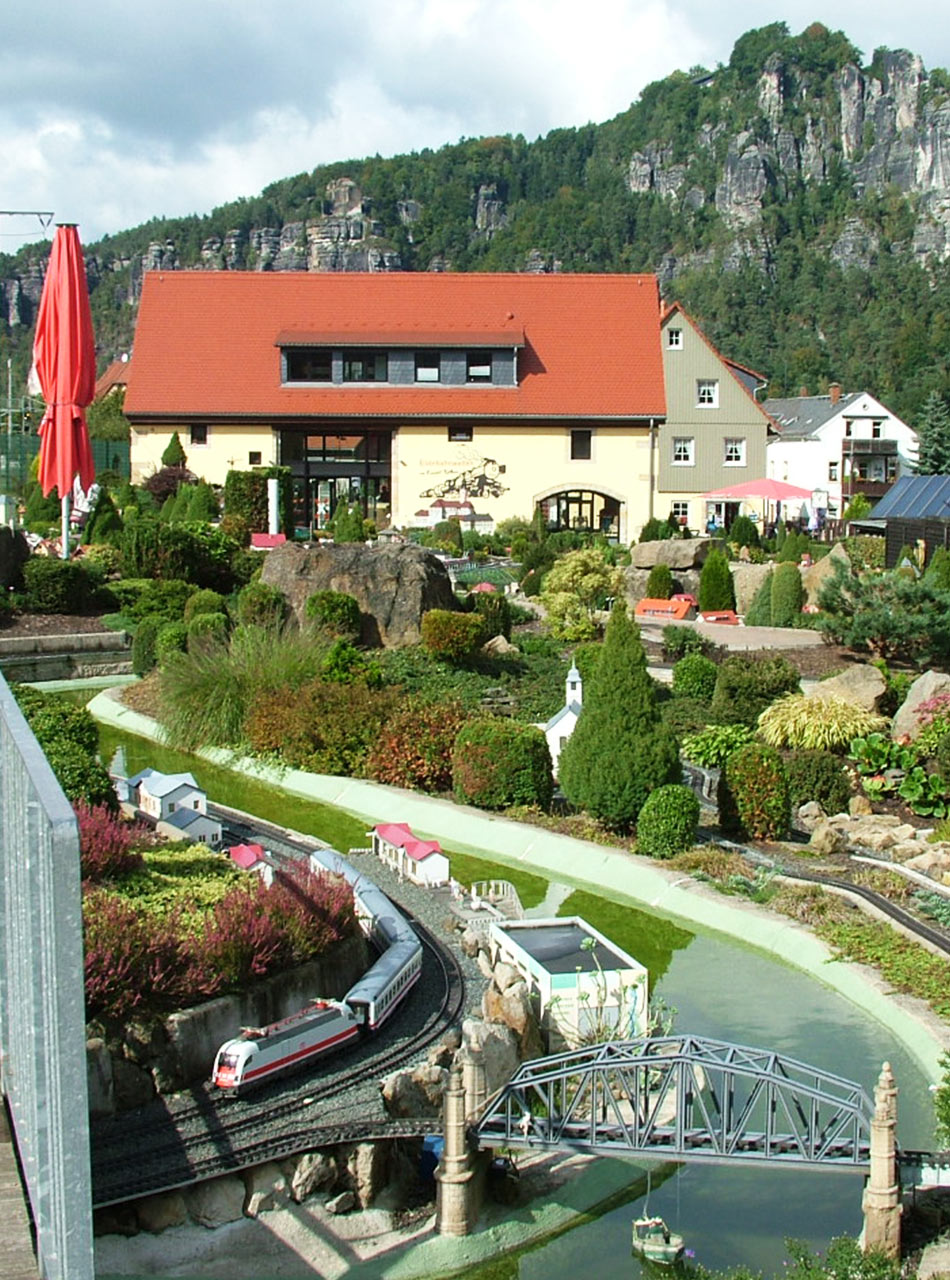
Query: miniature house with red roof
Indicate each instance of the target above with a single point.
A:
(418, 861)
(403, 390)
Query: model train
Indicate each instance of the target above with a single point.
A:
(325, 1025)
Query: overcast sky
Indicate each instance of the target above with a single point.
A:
(113, 113)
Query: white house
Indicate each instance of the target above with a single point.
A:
(563, 723)
(587, 987)
(837, 446)
(418, 861)
(158, 795)
(190, 824)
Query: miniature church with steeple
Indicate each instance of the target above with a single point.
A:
(562, 724)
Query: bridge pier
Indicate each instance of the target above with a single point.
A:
(881, 1200)
(456, 1207)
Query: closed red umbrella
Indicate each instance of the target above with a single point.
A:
(64, 358)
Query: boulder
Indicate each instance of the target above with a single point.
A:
(678, 553)
(365, 1168)
(499, 647)
(212, 1204)
(159, 1212)
(265, 1188)
(498, 1045)
(342, 1203)
(415, 1093)
(827, 839)
(132, 1085)
(470, 943)
(814, 578)
(861, 686)
(809, 815)
(393, 585)
(860, 806)
(313, 1170)
(513, 1009)
(99, 1078)
(505, 975)
(746, 580)
(923, 689)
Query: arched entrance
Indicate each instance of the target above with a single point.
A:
(584, 511)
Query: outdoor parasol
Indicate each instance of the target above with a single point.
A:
(64, 362)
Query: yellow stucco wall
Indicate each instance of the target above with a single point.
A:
(229, 447)
(505, 470)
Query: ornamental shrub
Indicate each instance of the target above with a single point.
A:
(203, 601)
(260, 605)
(152, 597)
(827, 724)
(449, 532)
(208, 629)
(788, 595)
(452, 636)
(667, 822)
(343, 663)
(532, 582)
(174, 454)
(620, 750)
(819, 776)
(747, 684)
(793, 548)
(711, 747)
(716, 589)
(55, 586)
(694, 676)
(493, 608)
(52, 718)
(104, 843)
(82, 777)
(938, 571)
(660, 582)
(656, 530)
(498, 763)
(743, 532)
(143, 644)
(754, 794)
(172, 638)
(680, 640)
(414, 747)
(335, 611)
(684, 716)
(760, 610)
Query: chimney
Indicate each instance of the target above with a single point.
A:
(834, 391)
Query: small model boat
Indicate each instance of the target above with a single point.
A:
(653, 1239)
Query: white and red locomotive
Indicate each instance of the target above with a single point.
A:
(325, 1025)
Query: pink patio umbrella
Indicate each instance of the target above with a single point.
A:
(774, 490)
(64, 361)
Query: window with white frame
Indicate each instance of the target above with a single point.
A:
(876, 430)
(833, 470)
(684, 451)
(674, 339)
(707, 393)
(199, 434)
(734, 452)
(680, 512)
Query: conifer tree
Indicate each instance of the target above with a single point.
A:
(174, 455)
(933, 436)
(716, 589)
(620, 750)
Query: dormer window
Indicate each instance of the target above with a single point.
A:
(428, 366)
(309, 365)
(365, 366)
(478, 366)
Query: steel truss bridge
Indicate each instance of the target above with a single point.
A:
(683, 1098)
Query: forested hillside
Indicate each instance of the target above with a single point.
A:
(796, 200)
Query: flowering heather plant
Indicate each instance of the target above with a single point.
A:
(239, 943)
(132, 959)
(935, 708)
(313, 909)
(104, 843)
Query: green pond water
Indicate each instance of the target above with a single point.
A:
(718, 988)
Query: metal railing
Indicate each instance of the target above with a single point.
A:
(42, 1013)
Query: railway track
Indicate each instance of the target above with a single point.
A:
(177, 1141)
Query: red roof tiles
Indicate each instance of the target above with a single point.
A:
(207, 343)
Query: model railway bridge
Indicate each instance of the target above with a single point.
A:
(684, 1098)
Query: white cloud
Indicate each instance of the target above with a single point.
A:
(112, 114)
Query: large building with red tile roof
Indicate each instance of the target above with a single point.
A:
(401, 389)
